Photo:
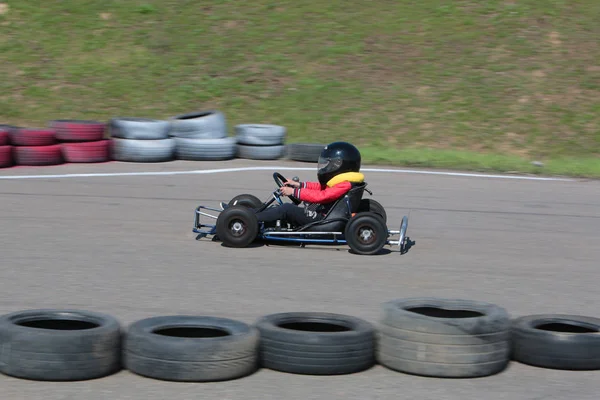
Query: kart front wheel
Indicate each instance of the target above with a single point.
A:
(366, 233)
(247, 200)
(237, 226)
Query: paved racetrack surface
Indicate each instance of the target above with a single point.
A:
(123, 245)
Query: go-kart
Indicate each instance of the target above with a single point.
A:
(353, 220)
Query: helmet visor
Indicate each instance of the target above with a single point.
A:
(327, 164)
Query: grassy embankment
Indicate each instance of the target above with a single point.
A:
(474, 85)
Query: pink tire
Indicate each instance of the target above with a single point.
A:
(32, 137)
(86, 152)
(78, 130)
(38, 155)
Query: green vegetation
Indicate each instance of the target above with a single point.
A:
(485, 85)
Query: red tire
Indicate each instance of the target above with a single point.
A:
(86, 152)
(78, 131)
(38, 155)
(32, 137)
(4, 137)
(6, 159)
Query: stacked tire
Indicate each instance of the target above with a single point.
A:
(82, 141)
(305, 152)
(202, 136)
(6, 152)
(260, 141)
(141, 140)
(35, 147)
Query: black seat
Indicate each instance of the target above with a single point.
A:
(336, 218)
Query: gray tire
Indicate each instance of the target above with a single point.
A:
(444, 338)
(260, 152)
(210, 124)
(558, 341)
(260, 134)
(59, 345)
(316, 343)
(142, 150)
(191, 348)
(205, 149)
(307, 152)
(139, 128)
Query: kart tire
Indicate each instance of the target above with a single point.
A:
(557, 341)
(38, 155)
(78, 130)
(32, 137)
(4, 137)
(131, 150)
(260, 134)
(6, 156)
(444, 338)
(371, 205)
(139, 128)
(260, 152)
(59, 345)
(307, 152)
(247, 200)
(191, 348)
(86, 152)
(315, 343)
(194, 149)
(238, 214)
(210, 124)
(375, 224)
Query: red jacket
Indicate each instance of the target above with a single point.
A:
(314, 192)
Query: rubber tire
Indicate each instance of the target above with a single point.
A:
(209, 124)
(139, 128)
(38, 155)
(32, 137)
(370, 205)
(188, 359)
(59, 355)
(413, 343)
(307, 152)
(4, 137)
(376, 223)
(260, 152)
(556, 350)
(260, 134)
(78, 130)
(313, 352)
(247, 200)
(193, 149)
(130, 150)
(6, 156)
(86, 152)
(247, 217)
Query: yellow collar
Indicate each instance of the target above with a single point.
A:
(355, 177)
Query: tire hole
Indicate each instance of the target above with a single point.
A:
(59, 324)
(192, 332)
(314, 327)
(443, 313)
(566, 327)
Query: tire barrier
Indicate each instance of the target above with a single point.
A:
(431, 337)
(193, 136)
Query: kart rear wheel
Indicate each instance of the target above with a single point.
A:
(366, 233)
(247, 200)
(367, 205)
(237, 226)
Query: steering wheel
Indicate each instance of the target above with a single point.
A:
(279, 180)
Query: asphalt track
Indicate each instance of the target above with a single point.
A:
(123, 245)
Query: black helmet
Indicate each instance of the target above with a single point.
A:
(337, 158)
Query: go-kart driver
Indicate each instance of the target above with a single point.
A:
(338, 170)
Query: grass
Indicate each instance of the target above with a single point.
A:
(482, 85)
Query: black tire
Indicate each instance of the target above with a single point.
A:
(307, 152)
(247, 200)
(370, 205)
(59, 345)
(191, 348)
(444, 338)
(315, 343)
(241, 219)
(557, 341)
(363, 224)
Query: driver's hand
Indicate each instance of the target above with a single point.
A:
(292, 183)
(286, 190)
